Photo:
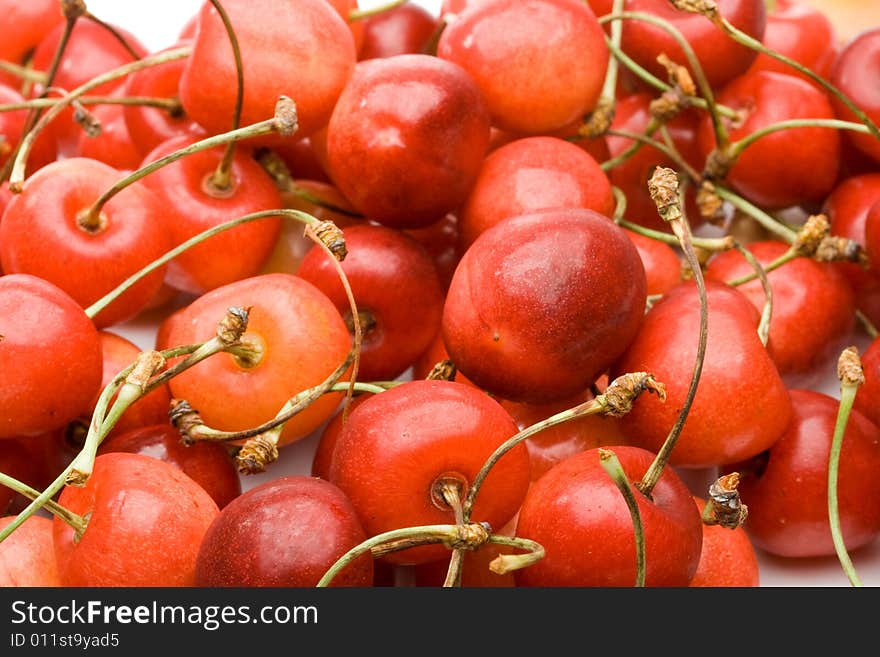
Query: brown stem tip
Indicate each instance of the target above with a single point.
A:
(815, 229)
(331, 236)
(147, 364)
(620, 394)
(73, 8)
(445, 370)
(707, 8)
(286, 119)
(257, 453)
(663, 187)
(725, 507)
(849, 367)
(710, 203)
(678, 75)
(233, 325)
(469, 537)
(184, 418)
(599, 120)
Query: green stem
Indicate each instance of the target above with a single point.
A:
(116, 34)
(786, 257)
(170, 104)
(738, 147)
(767, 310)
(77, 522)
(360, 14)
(713, 244)
(780, 230)
(222, 177)
(867, 325)
(23, 72)
(611, 464)
(505, 563)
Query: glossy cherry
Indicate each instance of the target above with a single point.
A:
(576, 512)
(12, 124)
(114, 145)
(406, 29)
(284, 532)
(542, 303)
(133, 502)
(32, 21)
(406, 165)
(493, 40)
(662, 263)
(855, 73)
(17, 461)
(27, 556)
(727, 558)
(868, 396)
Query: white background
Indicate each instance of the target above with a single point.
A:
(157, 24)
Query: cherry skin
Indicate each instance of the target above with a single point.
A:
(397, 291)
(285, 532)
(813, 305)
(195, 204)
(728, 557)
(323, 455)
(133, 502)
(661, 262)
(494, 40)
(533, 173)
(51, 357)
(301, 49)
(808, 171)
(542, 303)
(302, 339)
(855, 74)
(11, 126)
(578, 515)
(208, 464)
(441, 239)
(786, 489)
(407, 164)
(27, 556)
(741, 406)
(17, 462)
(872, 236)
(406, 29)
(399, 445)
(720, 57)
(87, 262)
(435, 353)
(32, 20)
(113, 146)
(868, 397)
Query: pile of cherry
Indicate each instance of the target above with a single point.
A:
(524, 266)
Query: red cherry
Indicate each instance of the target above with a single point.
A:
(114, 145)
(87, 262)
(357, 27)
(208, 464)
(27, 556)
(406, 29)
(813, 305)
(435, 353)
(406, 165)
(494, 40)
(303, 340)
(195, 205)
(11, 126)
(51, 357)
(809, 169)
(855, 74)
(302, 160)
(397, 446)
(728, 557)
(533, 173)
(741, 405)
(661, 262)
(868, 397)
(541, 304)
(327, 444)
(578, 515)
(301, 49)
(133, 503)
(285, 532)
(32, 21)
(397, 291)
(16, 461)
(872, 236)
(786, 489)
(442, 242)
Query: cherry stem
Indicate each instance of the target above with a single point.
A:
(222, 177)
(23, 72)
(611, 464)
(761, 273)
(473, 535)
(18, 169)
(711, 244)
(360, 14)
(450, 491)
(851, 375)
(736, 148)
(867, 325)
(668, 195)
(172, 105)
(616, 401)
(695, 66)
(786, 257)
(644, 139)
(600, 119)
(776, 227)
(77, 522)
(741, 37)
(505, 563)
(116, 34)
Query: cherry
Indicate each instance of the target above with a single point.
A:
(786, 488)
(113, 146)
(576, 512)
(542, 303)
(867, 398)
(300, 157)
(435, 353)
(872, 236)
(441, 239)
(284, 532)
(27, 556)
(855, 74)
(407, 165)
(495, 40)
(51, 357)
(12, 124)
(397, 291)
(399, 447)
(32, 21)
(345, 8)
(728, 557)
(132, 503)
(298, 336)
(323, 455)
(533, 173)
(661, 262)
(17, 461)
(741, 405)
(808, 172)
(301, 49)
(813, 305)
(405, 29)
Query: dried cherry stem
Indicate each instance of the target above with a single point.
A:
(76, 521)
(221, 179)
(724, 506)
(18, 168)
(611, 464)
(25, 73)
(617, 400)
(667, 193)
(282, 122)
(171, 105)
(116, 34)
(736, 148)
(851, 375)
(599, 120)
(742, 38)
(772, 225)
(761, 274)
(696, 68)
(360, 14)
